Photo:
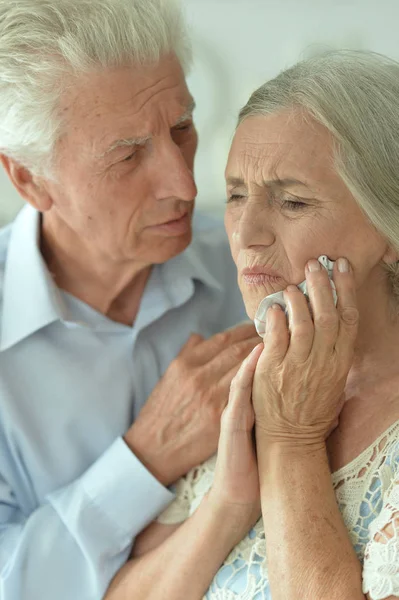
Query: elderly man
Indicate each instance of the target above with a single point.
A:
(112, 380)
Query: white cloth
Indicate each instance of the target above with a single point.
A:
(278, 297)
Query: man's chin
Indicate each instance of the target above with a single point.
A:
(170, 247)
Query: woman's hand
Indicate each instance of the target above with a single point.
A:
(236, 481)
(301, 374)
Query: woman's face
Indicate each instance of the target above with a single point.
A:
(286, 205)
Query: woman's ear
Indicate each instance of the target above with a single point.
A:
(27, 185)
(391, 256)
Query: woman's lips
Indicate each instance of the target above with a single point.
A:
(259, 275)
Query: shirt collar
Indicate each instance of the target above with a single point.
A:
(31, 300)
(195, 264)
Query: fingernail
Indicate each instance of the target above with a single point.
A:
(343, 265)
(314, 265)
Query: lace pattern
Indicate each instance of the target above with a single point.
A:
(367, 492)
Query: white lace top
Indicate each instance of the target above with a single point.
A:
(367, 492)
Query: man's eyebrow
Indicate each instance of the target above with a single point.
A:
(288, 182)
(188, 113)
(140, 141)
(122, 143)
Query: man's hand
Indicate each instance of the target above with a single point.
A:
(178, 427)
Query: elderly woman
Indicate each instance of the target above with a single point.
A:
(313, 170)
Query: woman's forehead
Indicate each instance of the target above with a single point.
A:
(281, 145)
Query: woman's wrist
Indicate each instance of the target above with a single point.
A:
(235, 519)
(286, 443)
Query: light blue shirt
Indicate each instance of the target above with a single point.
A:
(72, 495)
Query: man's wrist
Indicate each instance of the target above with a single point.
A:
(136, 445)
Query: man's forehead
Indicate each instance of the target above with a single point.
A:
(136, 132)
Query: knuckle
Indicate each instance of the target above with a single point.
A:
(179, 366)
(221, 339)
(303, 331)
(350, 315)
(327, 321)
(239, 351)
(194, 338)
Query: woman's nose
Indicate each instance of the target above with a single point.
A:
(255, 227)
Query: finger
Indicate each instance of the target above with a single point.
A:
(226, 380)
(276, 339)
(325, 314)
(211, 348)
(347, 309)
(244, 378)
(240, 393)
(230, 357)
(300, 324)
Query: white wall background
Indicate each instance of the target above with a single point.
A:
(238, 45)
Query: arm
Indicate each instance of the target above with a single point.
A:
(72, 546)
(309, 551)
(190, 557)
(298, 394)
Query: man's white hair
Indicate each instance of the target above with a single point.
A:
(355, 95)
(44, 44)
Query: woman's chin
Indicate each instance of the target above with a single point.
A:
(251, 306)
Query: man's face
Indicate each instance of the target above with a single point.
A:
(125, 163)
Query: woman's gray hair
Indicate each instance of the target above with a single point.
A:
(355, 95)
(45, 43)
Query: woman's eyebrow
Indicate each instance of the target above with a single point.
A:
(284, 183)
(277, 182)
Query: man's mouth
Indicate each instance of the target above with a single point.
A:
(175, 226)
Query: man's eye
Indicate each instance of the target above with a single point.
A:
(128, 158)
(183, 127)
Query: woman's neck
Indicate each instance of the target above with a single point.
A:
(377, 347)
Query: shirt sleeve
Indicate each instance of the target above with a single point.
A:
(381, 561)
(71, 547)
(190, 490)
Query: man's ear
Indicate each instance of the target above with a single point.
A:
(27, 185)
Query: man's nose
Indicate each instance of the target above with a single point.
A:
(172, 176)
(255, 227)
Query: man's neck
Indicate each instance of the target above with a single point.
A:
(113, 289)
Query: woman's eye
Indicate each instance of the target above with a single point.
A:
(234, 198)
(292, 205)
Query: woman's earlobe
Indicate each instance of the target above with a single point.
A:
(28, 186)
(391, 256)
